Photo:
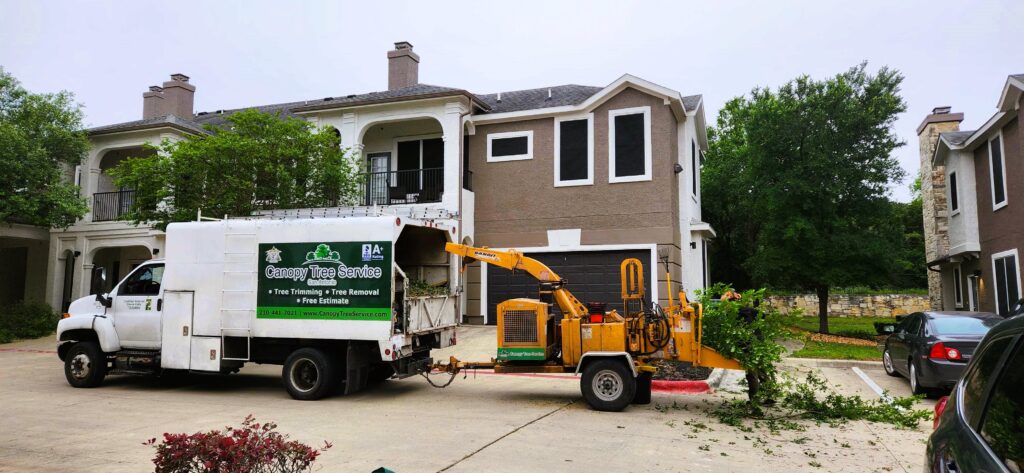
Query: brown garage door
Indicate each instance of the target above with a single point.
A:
(593, 276)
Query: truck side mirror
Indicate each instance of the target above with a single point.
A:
(98, 281)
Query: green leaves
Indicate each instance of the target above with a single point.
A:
(795, 183)
(41, 141)
(255, 161)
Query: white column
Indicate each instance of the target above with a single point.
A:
(451, 127)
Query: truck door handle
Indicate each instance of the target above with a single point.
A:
(159, 305)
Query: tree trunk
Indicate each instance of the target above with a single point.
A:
(822, 309)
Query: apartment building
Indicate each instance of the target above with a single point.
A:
(577, 176)
(974, 205)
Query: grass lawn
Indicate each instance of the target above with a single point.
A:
(857, 327)
(837, 351)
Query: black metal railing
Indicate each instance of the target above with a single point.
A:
(467, 180)
(107, 206)
(413, 186)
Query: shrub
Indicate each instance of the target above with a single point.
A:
(27, 320)
(253, 447)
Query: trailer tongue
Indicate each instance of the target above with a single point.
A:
(613, 351)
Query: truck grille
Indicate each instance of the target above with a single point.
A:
(520, 326)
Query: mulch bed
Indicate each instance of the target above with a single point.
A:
(818, 337)
(671, 370)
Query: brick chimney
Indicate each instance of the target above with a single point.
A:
(935, 208)
(175, 97)
(403, 66)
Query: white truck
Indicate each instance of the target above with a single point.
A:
(327, 298)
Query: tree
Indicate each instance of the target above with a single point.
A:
(796, 182)
(911, 271)
(41, 137)
(255, 161)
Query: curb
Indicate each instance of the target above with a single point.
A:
(822, 363)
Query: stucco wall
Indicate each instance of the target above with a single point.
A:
(844, 305)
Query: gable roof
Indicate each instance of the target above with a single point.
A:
(544, 97)
(691, 102)
(956, 138)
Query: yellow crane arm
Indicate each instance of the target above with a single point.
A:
(513, 260)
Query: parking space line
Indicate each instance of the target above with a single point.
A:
(871, 384)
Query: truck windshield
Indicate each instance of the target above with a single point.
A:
(963, 325)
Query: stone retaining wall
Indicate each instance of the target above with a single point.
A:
(853, 305)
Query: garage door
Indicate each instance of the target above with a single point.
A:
(593, 276)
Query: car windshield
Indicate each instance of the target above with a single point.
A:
(963, 325)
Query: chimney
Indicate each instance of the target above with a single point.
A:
(153, 102)
(403, 66)
(173, 98)
(934, 205)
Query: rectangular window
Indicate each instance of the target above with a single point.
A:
(629, 145)
(958, 284)
(693, 165)
(954, 196)
(997, 168)
(1007, 280)
(574, 151)
(510, 146)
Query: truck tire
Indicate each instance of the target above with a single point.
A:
(608, 384)
(85, 365)
(308, 374)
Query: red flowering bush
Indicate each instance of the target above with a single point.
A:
(253, 447)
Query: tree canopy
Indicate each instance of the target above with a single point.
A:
(796, 183)
(41, 140)
(252, 162)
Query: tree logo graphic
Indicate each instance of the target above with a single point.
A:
(323, 254)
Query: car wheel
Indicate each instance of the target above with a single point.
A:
(308, 374)
(915, 385)
(887, 364)
(608, 385)
(85, 365)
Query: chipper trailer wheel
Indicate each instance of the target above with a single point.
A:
(608, 384)
(308, 374)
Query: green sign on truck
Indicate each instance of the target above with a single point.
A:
(325, 281)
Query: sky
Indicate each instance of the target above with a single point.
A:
(243, 53)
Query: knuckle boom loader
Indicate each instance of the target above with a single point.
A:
(613, 351)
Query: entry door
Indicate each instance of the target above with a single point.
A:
(136, 307)
(379, 165)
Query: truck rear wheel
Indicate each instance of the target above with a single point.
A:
(308, 374)
(608, 384)
(85, 365)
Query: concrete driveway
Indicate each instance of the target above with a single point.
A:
(485, 422)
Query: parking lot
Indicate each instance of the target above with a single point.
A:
(485, 422)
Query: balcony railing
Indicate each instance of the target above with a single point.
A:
(107, 206)
(413, 186)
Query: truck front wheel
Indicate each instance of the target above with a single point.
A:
(308, 374)
(85, 365)
(608, 384)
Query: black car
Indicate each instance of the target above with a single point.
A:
(932, 348)
(980, 426)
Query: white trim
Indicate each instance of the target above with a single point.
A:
(953, 198)
(589, 117)
(651, 247)
(510, 134)
(648, 165)
(995, 278)
(971, 300)
(991, 173)
(958, 283)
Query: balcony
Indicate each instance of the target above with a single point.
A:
(411, 186)
(108, 206)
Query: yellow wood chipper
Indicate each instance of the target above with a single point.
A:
(613, 351)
